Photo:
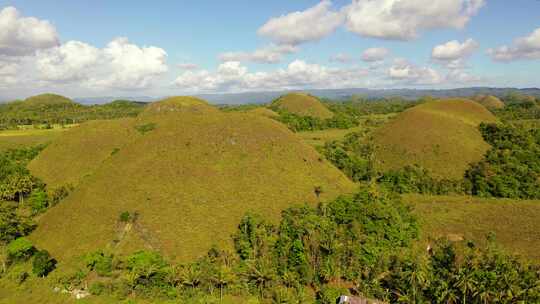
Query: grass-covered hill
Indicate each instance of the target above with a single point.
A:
(489, 101)
(264, 112)
(56, 109)
(184, 171)
(441, 136)
(302, 105)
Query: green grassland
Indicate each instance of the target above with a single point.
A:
(441, 136)
(368, 123)
(514, 222)
(189, 179)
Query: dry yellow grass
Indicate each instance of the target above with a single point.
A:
(303, 105)
(190, 180)
(263, 112)
(442, 136)
(514, 222)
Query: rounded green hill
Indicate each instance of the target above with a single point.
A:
(303, 105)
(48, 99)
(179, 104)
(441, 136)
(489, 101)
(189, 179)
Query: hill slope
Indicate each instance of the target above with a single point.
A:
(441, 136)
(302, 105)
(189, 180)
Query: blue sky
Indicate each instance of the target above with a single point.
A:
(196, 34)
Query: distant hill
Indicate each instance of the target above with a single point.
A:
(57, 109)
(188, 173)
(265, 97)
(441, 136)
(302, 104)
(489, 101)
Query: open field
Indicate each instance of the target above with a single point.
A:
(367, 123)
(27, 137)
(515, 223)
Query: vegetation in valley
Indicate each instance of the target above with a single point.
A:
(46, 110)
(511, 168)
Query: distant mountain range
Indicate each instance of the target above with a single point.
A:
(263, 97)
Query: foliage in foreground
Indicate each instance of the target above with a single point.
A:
(361, 245)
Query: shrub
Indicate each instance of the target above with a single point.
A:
(143, 129)
(43, 264)
(39, 201)
(329, 295)
(20, 249)
(99, 262)
(125, 217)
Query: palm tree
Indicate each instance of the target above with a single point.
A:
(466, 284)
(190, 275)
(222, 277)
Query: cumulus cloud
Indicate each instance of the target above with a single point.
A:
(232, 76)
(404, 20)
(24, 35)
(453, 50)
(269, 54)
(523, 48)
(120, 65)
(409, 73)
(299, 27)
(375, 54)
(453, 54)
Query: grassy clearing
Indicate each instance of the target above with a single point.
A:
(441, 136)
(190, 180)
(367, 122)
(12, 139)
(514, 222)
(303, 105)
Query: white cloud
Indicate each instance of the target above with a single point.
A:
(341, 58)
(71, 61)
(454, 54)
(299, 27)
(375, 54)
(523, 48)
(232, 76)
(409, 73)
(269, 54)
(24, 35)
(453, 50)
(120, 65)
(404, 20)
